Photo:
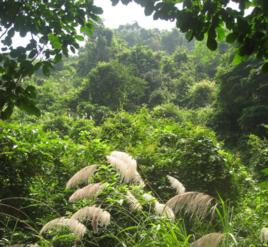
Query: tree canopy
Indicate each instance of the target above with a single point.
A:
(199, 19)
(53, 31)
(52, 28)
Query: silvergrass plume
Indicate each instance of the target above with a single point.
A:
(193, 203)
(88, 192)
(126, 166)
(81, 176)
(74, 226)
(176, 184)
(210, 240)
(138, 180)
(264, 235)
(149, 198)
(96, 215)
(133, 202)
(164, 210)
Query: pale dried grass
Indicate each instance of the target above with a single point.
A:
(264, 235)
(74, 226)
(176, 184)
(96, 215)
(81, 176)
(193, 203)
(164, 210)
(210, 240)
(88, 192)
(134, 204)
(149, 198)
(126, 166)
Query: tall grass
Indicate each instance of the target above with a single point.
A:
(123, 213)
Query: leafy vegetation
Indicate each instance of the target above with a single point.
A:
(210, 19)
(177, 109)
(52, 28)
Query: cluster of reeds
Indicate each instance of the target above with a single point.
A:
(194, 204)
(191, 203)
(96, 215)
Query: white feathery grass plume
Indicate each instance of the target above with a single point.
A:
(74, 225)
(148, 197)
(176, 184)
(125, 157)
(81, 176)
(264, 235)
(138, 180)
(193, 203)
(133, 202)
(105, 218)
(88, 192)
(210, 240)
(164, 210)
(97, 216)
(126, 166)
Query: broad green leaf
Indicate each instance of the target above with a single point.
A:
(220, 33)
(55, 41)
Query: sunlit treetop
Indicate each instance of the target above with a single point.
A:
(54, 28)
(246, 27)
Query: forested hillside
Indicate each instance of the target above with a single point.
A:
(194, 121)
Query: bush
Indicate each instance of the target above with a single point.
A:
(194, 156)
(257, 157)
(251, 216)
(163, 147)
(201, 94)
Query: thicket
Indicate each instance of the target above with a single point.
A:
(178, 109)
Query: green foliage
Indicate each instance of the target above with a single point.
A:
(148, 93)
(198, 116)
(53, 28)
(96, 112)
(208, 64)
(258, 158)
(141, 59)
(108, 85)
(146, 77)
(251, 217)
(214, 21)
(154, 39)
(241, 104)
(201, 94)
(191, 153)
(98, 49)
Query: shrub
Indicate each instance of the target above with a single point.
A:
(257, 157)
(124, 210)
(163, 146)
(201, 94)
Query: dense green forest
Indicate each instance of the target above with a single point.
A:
(193, 119)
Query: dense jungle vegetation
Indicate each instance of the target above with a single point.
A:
(177, 108)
